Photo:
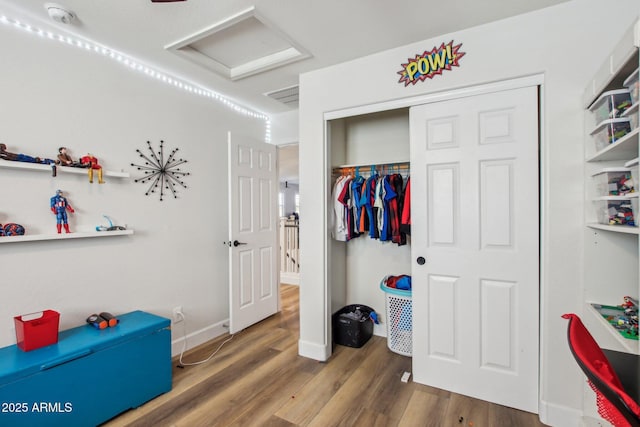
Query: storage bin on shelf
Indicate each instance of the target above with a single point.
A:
(610, 105)
(632, 115)
(609, 131)
(617, 210)
(633, 86)
(633, 167)
(399, 315)
(613, 182)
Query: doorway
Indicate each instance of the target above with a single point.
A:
(288, 210)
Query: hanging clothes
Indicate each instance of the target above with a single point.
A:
(395, 210)
(364, 218)
(405, 224)
(378, 206)
(369, 201)
(344, 198)
(357, 209)
(338, 229)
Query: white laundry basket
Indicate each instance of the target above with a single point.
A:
(399, 319)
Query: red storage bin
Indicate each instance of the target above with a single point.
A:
(37, 330)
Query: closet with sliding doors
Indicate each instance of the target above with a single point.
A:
(473, 249)
(362, 146)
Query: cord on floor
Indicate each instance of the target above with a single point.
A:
(182, 364)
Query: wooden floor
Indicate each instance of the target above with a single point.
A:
(258, 379)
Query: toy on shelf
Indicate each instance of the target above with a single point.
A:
(102, 320)
(91, 162)
(11, 229)
(111, 227)
(66, 160)
(4, 154)
(623, 317)
(59, 206)
(629, 321)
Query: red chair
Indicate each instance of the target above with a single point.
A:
(614, 404)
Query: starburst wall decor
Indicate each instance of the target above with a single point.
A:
(163, 175)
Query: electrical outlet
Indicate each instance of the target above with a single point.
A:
(178, 316)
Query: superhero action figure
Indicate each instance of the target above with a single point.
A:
(66, 160)
(4, 154)
(91, 162)
(59, 206)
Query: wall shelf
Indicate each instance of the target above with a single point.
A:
(625, 229)
(626, 345)
(611, 256)
(61, 169)
(623, 149)
(63, 236)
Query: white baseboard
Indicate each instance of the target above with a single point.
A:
(195, 338)
(314, 351)
(556, 415)
(290, 278)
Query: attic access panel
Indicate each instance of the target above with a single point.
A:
(239, 46)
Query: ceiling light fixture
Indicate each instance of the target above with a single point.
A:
(135, 65)
(59, 13)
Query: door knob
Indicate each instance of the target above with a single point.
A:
(236, 243)
(420, 260)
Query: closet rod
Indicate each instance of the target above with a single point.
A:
(401, 164)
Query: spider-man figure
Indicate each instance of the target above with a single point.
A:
(59, 206)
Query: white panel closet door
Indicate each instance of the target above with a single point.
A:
(475, 219)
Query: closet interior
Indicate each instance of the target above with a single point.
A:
(360, 145)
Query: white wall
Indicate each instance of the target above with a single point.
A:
(54, 95)
(284, 128)
(289, 191)
(565, 43)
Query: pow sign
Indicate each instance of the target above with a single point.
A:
(430, 63)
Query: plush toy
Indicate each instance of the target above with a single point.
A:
(59, 206)
(4, 154)
(91, 162)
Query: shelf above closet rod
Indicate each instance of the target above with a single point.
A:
(401, 165)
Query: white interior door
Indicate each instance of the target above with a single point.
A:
(253, 232)
(475, 221)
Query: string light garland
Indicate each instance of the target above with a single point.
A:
(136, 65)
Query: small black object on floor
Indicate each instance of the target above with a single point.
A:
(352, 325)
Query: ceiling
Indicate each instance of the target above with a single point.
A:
(251, 51)
(238, 47)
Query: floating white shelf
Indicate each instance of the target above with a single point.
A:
(61, 169)
(625, 229)
(63, 236)
(623, 149)
(626, 345)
